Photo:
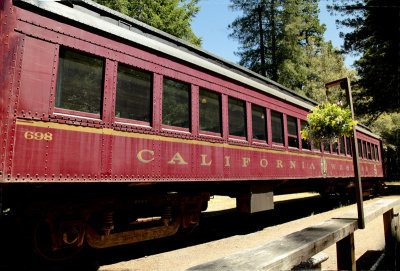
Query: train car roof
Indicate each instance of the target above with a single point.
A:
(104, 19)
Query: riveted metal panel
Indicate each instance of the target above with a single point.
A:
(36, 83)
(10, 47)
(12, 102)
(135, 159)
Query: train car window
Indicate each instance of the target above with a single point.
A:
(360, 151)
(305, 144)
(365, 152)
(373, 151)
(237, 117)
(176, 103)
(316, 146)
(342, 146)
(335, 147)
(293, 139)
(209, 111)
(376, 153)
(348, 145)
(327, 147)
(79, 82)
(369, 151)
(258, 116)
(134, 94)
(277, 127)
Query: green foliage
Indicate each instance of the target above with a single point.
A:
(246, 29)
(325, 64)
(300, 29)
(388, 127)
(375, 36)
(327, 122)
(171, 16)
(296, 54)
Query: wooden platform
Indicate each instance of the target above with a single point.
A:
(286, 252)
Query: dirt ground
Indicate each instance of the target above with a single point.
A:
(367, 241)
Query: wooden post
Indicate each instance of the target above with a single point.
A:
(345, 84)
(390, 224)
(345, 253)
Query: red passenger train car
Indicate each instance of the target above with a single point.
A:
(114, 132)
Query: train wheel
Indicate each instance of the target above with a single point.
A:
(51, 244)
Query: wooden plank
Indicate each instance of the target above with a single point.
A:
(291, 250)
(373, 210)
(285, 252)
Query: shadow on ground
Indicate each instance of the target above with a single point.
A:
(213, 226)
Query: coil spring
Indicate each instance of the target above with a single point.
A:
(166, 214)
(108, 222)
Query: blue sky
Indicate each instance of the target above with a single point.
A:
(212, 22)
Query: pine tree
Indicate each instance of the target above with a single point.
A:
(277, 31)
(376, 38)
(171, 16)
(257, 33)
(326, 64)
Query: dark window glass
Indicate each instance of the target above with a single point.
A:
(293, 139)
(237, 117)
(305, 144)
(365, 152)
(373, 151)
(277, 127)
(209, 111)
(176, 103)
(342, 146)
(348, 145)
(335, 147)
(360, 150)
(369, 151)
(79, 82)
(327, 147)
(317, 146)
(376, 152)
(134, 95)
(259, 122)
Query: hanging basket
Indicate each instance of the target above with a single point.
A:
(327, 122)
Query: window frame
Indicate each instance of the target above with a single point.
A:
(137, 123)
(377, 154)
(235, 138)
(209, 133)
(329, 150)
(254, 140)
(278, 144)
(342, 146)
(68, 113)
(309, 142)
(296, 137)
(172, 128)
(365, 150)
(349, 146)
(360, 148)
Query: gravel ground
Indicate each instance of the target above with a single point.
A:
(367, 241)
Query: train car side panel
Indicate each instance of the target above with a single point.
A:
(38, 69)
(49, 152)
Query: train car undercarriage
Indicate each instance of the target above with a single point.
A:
(62, 219)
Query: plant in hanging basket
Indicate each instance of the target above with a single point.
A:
(327, 122)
